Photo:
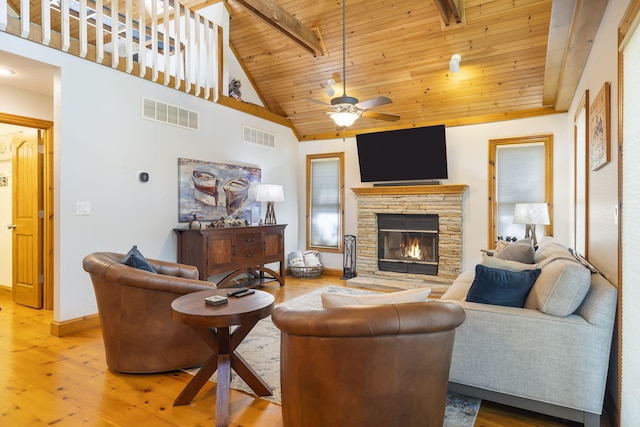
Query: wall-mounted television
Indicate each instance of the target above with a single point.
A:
(416, 154)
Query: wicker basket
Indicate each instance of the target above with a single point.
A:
(306, 272)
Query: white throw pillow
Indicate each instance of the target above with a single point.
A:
(335, 300)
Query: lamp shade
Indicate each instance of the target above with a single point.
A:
(531, 213)
(344, 118)
(270, 193)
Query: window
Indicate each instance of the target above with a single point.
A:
(629, 229)
(325, 199)
(520, 171)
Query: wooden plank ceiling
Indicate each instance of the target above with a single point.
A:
(401, 49)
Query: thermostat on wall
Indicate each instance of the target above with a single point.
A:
(143, 176)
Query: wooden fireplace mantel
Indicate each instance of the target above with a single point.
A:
(401, 190)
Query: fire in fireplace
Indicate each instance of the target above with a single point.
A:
(408, 243)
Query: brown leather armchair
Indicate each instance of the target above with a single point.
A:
(379, 365)
(135, 314)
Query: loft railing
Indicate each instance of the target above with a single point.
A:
(159, 40)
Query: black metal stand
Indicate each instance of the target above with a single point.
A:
(349, 263)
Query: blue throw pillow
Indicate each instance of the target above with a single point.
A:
(134, 258)
(501, 287)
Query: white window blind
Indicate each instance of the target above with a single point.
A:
(520, 178)
(325, 204)
(630, 373)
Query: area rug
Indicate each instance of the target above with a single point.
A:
(261, 349)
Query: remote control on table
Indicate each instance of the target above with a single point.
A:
(245, 293)
(237, 291)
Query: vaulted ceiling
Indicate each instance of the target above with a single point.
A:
(519, 58)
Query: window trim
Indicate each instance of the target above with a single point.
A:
(310, 159)
(581, 182)
(547, 140)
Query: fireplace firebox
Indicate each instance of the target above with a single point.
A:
(408, 243)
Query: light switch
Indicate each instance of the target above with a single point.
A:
(83, 208)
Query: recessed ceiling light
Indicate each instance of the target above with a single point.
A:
(6, 72)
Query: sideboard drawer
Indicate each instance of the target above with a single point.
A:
(250, 255)
(248, 240)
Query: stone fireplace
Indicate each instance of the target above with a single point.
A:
(440, 205)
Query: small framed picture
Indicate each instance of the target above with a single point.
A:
(600, 129)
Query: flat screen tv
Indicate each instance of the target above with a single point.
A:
(416, 154)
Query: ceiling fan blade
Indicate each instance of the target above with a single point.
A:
(380, 116)
(375, 102)
(318, 102)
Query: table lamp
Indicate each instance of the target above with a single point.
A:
(270, 193)
(531, 214)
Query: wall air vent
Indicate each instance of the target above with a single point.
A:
(169, 114)
(258, 137)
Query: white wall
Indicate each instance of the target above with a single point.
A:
(467, 152)
(603, 183)
(100, 144)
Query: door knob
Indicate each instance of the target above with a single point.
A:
(10, 226)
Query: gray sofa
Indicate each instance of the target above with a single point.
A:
(551, 356)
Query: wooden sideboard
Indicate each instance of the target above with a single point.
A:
(236, 250)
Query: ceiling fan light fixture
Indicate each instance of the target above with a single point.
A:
(344, 118)
(454, 63)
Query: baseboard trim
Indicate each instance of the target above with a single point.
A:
(334, 272)
(67, 327)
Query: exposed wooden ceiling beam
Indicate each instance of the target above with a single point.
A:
(573, 28)
(283, 21)
(449, 11)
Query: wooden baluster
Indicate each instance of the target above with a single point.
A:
(45, 13)
(154, 41)
(142, 41)
(115, 38)
(83, 28)
(99, 32)
(129, 35)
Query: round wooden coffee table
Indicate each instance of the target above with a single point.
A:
(213, 324)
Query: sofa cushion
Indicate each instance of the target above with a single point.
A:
(501, 287)
(335, 300)
(520, 251)
(560, 288)
(550, 249)
(134, 258)
(460, 287)
(504, 264)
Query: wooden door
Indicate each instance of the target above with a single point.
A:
(27, 231)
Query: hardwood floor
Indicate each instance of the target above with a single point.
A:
(64, 381)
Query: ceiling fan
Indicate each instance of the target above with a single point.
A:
(348, 109)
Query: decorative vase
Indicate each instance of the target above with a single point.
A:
(194, 223)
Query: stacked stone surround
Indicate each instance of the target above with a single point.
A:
(443, 200)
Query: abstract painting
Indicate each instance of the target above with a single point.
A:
(217, 190)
